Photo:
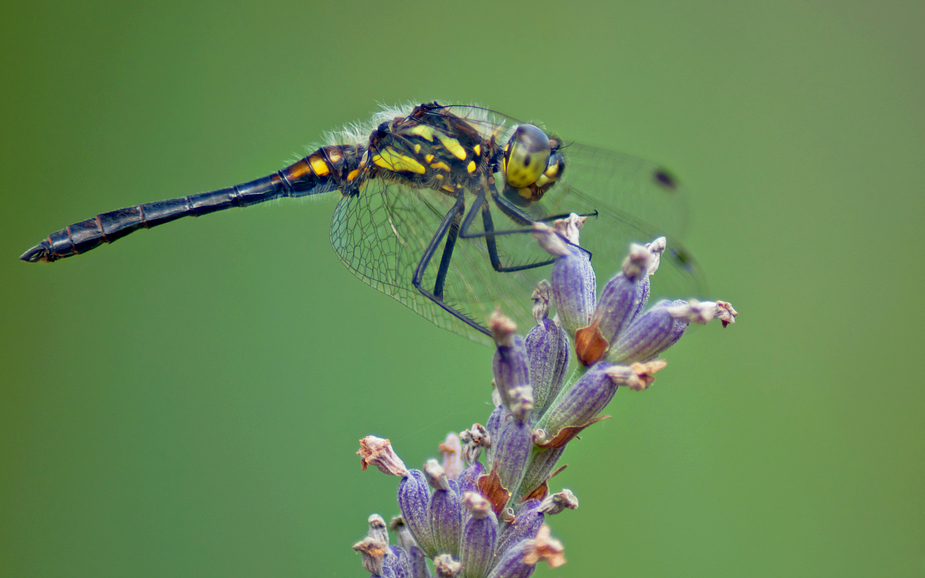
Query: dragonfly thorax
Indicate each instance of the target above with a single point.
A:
(444, 153)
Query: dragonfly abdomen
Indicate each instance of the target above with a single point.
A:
(322, 171)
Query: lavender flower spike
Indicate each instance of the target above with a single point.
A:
(483, 514)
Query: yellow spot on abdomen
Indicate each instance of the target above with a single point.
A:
(352, 174)
(440, 165)
(319, 166)
(471, 167)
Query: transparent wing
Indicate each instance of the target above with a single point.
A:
(381, 234)
(630, 185)
(636, 201)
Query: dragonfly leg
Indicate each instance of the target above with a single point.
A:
(490, 234)
(451, 237)
(449, 228)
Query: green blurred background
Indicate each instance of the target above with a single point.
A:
(187, 402)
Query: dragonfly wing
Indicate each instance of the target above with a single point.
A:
(636, 201)
(380, 235)
(629, 184)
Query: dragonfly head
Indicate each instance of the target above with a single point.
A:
(531, 164)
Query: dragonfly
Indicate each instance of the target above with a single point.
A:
(436, 206)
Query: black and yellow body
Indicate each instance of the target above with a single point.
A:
(456, 181)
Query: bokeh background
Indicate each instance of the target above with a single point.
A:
(187, 402)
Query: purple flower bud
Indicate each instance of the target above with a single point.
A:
(398, 562)
(623, 298)
(419, 567)
(520, 560)
(403, 536)
(572, 278)
(405, 540)
(511, 367)
(511, 453)
(413, 500)
(573, 289)
(653, 332)
(577, 407)
(582, 402)
(512, 565)
(493, 426)
(480, 534)
(444, 511)
(527, 521)
(548, 351)
(541, 466)
(468, 479)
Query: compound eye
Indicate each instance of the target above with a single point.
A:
(526, 156)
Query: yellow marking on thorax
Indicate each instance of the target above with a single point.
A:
(452, 145)
(477, 149)
(417, 149)
(352, 174)
(440, 165)
(428, 158)
(423, 130)
(389, 159)
(471, 167)
(319, 165)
